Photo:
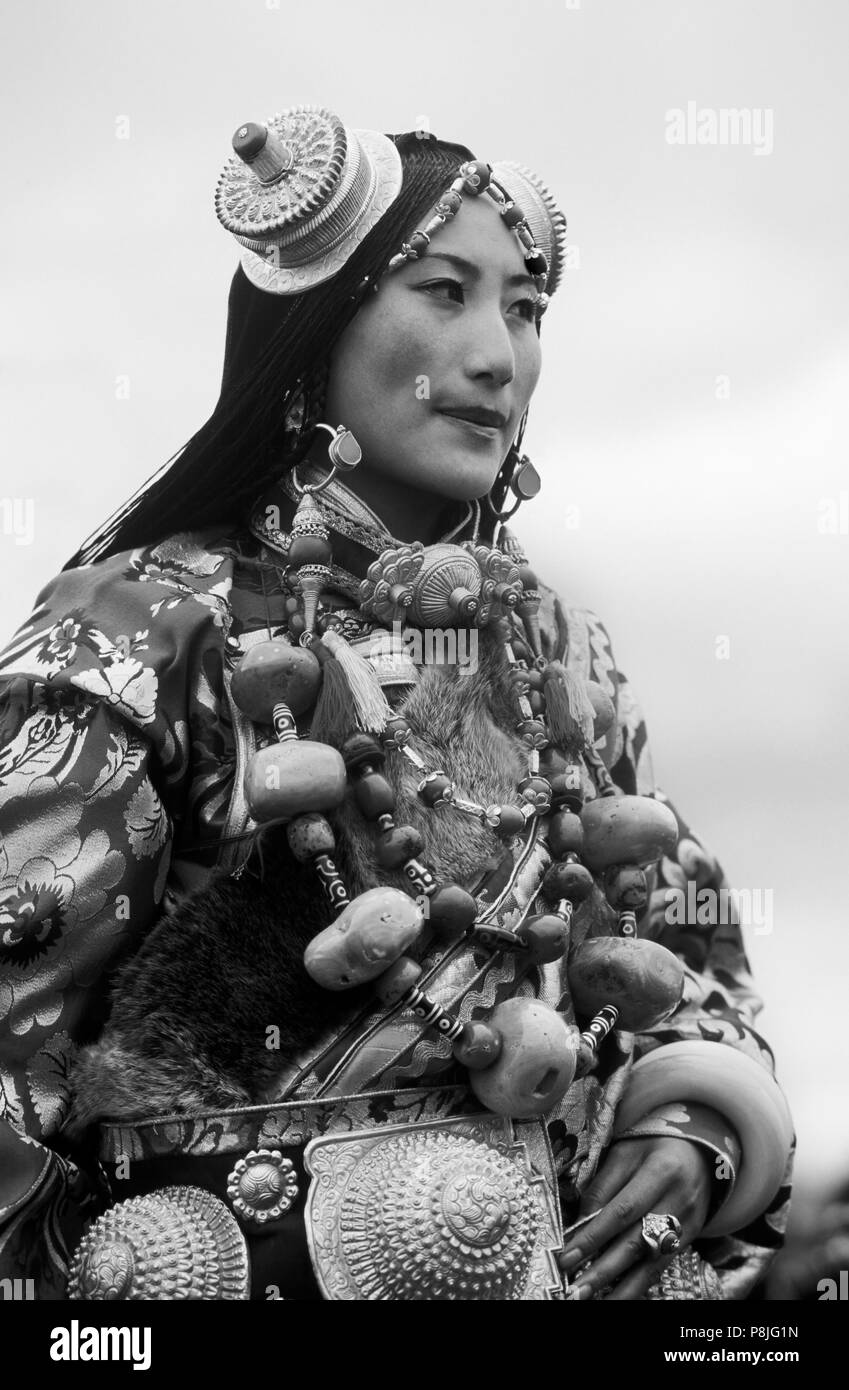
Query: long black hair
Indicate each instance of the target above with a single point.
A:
(276, 349)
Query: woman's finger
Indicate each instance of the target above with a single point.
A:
(619, 1257)
(620, 1164)
(629, 1204)
(639, 1280)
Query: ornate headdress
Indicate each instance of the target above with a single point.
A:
(302, 191)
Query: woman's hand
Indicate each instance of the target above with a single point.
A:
(670, 1176)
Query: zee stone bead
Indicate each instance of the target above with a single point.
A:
(360, 749)
(570, 881)
(478, 1046)
(625, 886)
(374, 795)
(627, 830)
(397, 845)
(309, 835)
(451, 911)
(271, 672)
(546, 937)
(565, 834)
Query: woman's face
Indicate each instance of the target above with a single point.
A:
(446, 336)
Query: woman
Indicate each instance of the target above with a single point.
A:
(257, 620)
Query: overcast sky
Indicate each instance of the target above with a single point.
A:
(693, 403)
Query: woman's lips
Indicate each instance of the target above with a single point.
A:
(488, 432)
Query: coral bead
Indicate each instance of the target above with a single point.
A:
(287, 778)
(433, 788)
(537, 792)
(567, 789)
(506, 821)
(627, 830)
(309, 550)
(397, 981)
(641, 978)
(361, 750)
(451, 911)
(271, 672)
(547, 937)
(513, 216)
(565, 880)
(565, 834)
(374, 795)
(309, 835)
(537, 1061)
(366, 938)
(625, 886)
(397, 845)
(478, 1046)
(396, 733)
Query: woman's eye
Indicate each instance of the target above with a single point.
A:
(454, 289)
(527, 309)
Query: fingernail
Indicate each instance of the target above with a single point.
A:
(570, 1258)
(578, 1291)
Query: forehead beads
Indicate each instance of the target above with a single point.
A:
(473, 178)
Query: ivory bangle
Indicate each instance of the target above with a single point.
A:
(739, 1088)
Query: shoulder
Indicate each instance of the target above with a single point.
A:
(141, 609)
(576, 636)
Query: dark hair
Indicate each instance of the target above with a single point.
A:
(276, 346)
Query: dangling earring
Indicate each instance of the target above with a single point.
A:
(524, 482)
(309, 545)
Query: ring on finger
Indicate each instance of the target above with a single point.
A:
(661, 1232)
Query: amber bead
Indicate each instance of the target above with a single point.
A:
(506, 821)
(546, 937)
(366, 938)
(536, 1064)
(418, 243)
(374, 795)
(397, 845)
(537, 703)
(296, 625)
(537, 265)
(309, 835)
(570, 881)
(309, 550)
(360, 750)
(641, 978)
(432, 788)
(397, 981)
(565, 834)
(513, 216)
(272, 672)
(625, 887)
(396, 733)
(536, 791)
(451, 911)
(288, 778)
(478, 1046)
(627, 830)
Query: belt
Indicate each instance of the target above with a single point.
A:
(408, 1195)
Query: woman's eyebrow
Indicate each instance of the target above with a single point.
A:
(473, 271)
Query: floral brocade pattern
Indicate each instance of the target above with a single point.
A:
(118, 761)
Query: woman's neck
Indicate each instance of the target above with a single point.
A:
(408, 513)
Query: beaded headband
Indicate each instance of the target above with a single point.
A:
(302, 191)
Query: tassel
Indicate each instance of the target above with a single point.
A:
(568, 709)
(334, 718)
(371, 705)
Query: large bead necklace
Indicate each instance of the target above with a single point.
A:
(522, 1059)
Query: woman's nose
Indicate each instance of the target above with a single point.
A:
(490, 353)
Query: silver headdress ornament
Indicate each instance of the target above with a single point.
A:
(302, 191)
